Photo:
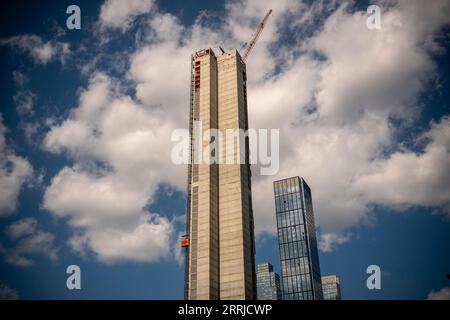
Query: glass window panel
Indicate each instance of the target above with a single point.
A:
(303, 252)
(277, 204)
(288, 222)
(299, 200)
(297, 266)
(294, 200)
(289, 284)
(291, 267)
(297, 213)
(296, 185)
(294, 284)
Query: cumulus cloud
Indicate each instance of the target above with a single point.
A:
(120, 14)
(7, 293)
(443, 294)
(328, 241)
(333, 97)
(41, 51)
(24, 101)
(28, 240)
(113, 141)
(21, 228)
(19, 78)
(335, 112)
(14, 172)
(333, 93)
(414, 178)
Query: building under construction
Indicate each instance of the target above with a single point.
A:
(219, 240)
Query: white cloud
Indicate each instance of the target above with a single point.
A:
(42, 52)
(366, 78)
(328, 241)
(443, 294)
(408, 178)
(21, 228)
(24, 101)
(112, 140)
(121, 13)
(7, 293)
(19, 78)
(28, 240)
(14, 172)
(333, 104)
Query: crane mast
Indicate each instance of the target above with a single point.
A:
(249, 46)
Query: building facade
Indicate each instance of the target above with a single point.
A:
(268, 282)
(220, 257)
(300, 269)
(331, 288)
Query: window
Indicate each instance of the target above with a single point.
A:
(277, 204)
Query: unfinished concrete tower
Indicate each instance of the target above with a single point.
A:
(219, 241)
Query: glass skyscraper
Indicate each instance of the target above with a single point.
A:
(331, 288)
(268, 282)
(300, 269)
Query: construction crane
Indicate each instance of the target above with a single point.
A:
(249, 45)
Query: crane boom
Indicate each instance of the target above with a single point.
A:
(251, 44)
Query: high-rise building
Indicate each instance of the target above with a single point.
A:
(268, 282)
(300, 269)
(331, 288)
(220, 250)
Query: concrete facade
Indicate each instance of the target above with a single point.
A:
(331, 288)
(220, 257)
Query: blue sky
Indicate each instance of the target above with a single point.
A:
(87, 115)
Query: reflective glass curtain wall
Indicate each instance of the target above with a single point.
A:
(300, 269)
